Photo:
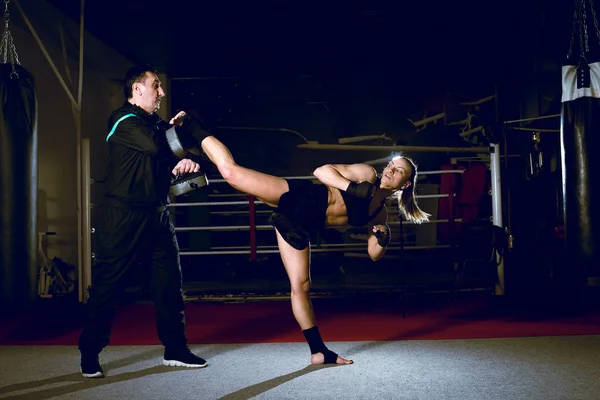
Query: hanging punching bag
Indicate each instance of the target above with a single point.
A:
(580, 132)
(18, 188)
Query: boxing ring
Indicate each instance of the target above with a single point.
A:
(252, 227)
(251, 205)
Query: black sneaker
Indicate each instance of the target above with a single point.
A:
(90, 366)
(183, 357)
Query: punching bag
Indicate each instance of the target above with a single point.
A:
(18, 188)
(580, 132)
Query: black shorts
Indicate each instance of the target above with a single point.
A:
(301, 212)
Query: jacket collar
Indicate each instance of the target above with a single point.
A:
(136, 109)
(140, 112)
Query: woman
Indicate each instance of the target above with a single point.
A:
(350, 195)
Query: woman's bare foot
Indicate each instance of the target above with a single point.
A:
(319, 358)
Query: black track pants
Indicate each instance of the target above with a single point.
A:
(127, 235)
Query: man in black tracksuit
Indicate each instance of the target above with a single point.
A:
(136, 222)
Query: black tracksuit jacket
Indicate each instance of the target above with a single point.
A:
(139, 158)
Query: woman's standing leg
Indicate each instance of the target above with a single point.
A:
(297, 266)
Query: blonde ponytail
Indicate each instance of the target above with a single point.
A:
(407, 201)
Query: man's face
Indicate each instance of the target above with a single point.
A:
(148, 93)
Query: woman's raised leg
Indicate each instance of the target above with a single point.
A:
(267, 188)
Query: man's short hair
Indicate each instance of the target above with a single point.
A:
(136, 74)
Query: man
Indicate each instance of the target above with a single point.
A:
(136, 223)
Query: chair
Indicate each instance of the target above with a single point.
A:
(478, 248)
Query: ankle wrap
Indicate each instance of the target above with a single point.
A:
(315, 342)
(194, 128)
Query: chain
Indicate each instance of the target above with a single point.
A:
(595, 20)
(7, 45)
(6, 36)
(583, 36)
(581, 28)
(575, 20)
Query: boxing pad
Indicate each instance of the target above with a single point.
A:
(182, 148)
(175, 143)
(183, 184)
(186, 183)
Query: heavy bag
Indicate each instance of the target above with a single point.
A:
(18, 188)
(580, 130)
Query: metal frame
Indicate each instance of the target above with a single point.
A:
(407, 149)
(497, 207)
(86, 243)
(496, 192)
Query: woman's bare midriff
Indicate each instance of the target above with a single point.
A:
(336, 214)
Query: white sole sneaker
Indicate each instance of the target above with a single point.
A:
(94, 375)
(175, 363)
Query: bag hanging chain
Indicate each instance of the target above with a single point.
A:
(574, 28)
(580, 24)
(595, 20)
(583, 33)
(7, 45)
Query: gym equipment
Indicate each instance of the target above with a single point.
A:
(53, 281)
(175, 144)
(186, 183)
(580, 126)
(18, 179)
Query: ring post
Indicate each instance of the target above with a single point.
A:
(252, 221)
(85, 273)
(497, 209)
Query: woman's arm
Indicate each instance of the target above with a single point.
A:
(379, 235)
(340, 175)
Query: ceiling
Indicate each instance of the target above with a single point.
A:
(412, 51)
(436, 42)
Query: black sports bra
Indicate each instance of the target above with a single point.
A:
(358, 209)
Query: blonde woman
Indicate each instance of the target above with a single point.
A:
(349, 195)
